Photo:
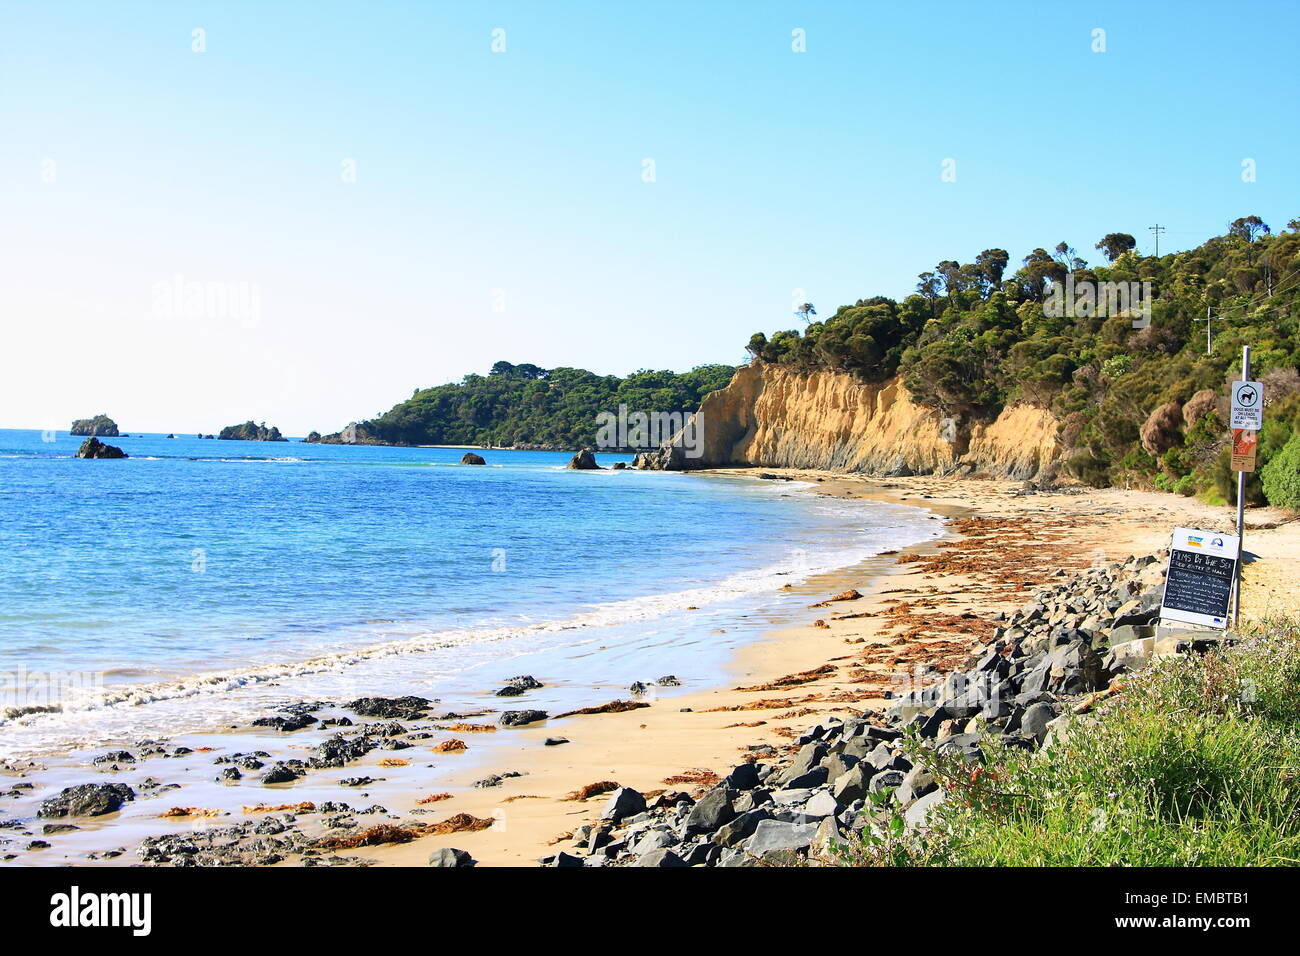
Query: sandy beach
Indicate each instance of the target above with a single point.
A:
(840, 643)
(927, 607)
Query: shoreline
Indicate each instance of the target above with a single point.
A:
(928, 606)
(744, 615)
(691, 742)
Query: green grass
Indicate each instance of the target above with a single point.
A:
(1195, 763)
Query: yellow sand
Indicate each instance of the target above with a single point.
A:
(643, 748)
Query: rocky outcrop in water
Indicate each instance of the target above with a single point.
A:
(99, 425)
(584, 460)
(250, 431)
(94, 448)
(469, 458)
(356, 433)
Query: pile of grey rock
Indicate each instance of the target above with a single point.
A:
(1020, 689)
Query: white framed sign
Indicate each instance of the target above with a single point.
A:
(1199, 578)
(1247, 406)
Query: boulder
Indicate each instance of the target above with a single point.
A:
(518, 718)
(917, 783)
(886, 780)
(87, 800)
(469, 458)
(623, 803)
(743, 777)
(661, 857)
(583, 461)
(741, 828)
(822, 804)
(281, 773)
(774, 836)
(808, 757)
(917, 814)
(713, 810)
(409, 708)
(524, 682)
(1034, 721)
(449, 857)
(853, 784)
(807, 781)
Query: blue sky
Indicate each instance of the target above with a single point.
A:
(500, 211)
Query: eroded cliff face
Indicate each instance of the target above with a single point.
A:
(774, 417)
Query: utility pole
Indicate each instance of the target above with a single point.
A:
(1208, 320)
(1157, 229)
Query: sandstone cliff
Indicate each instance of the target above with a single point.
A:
(775, 417)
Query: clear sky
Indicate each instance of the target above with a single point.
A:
(501, 208)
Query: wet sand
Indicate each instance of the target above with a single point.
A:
(928, 607)
(920, 611)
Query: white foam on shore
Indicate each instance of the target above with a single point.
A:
(85, 719)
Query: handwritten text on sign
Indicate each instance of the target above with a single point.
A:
(1198, 582)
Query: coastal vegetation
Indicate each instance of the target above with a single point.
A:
(1196, 762)
(1116, 351)
(525, 406)
(99, 425)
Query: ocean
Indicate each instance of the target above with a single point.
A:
(200, 582)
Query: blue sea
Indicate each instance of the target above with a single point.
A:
(199, 582)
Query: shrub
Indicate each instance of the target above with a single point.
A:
(1195, 763)
(1160, 431)
(1281, 476)
(1088, 469)
(1225, 480)
(1200, 405)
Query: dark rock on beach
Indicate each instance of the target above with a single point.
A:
(281, 773)
(518, 718)
(286, 724)
(113, 758)
(403, 708)
(87, 800)
(450, 856)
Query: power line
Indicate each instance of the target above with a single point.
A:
(1157, 229)
(1209, 321)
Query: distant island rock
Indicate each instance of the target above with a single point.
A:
(313, 437)
(249, 431)
(583, 461)
(94, 448)
(357, 433)
(470, 458)
(99, 425)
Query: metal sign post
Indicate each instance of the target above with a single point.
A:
(1248, 410)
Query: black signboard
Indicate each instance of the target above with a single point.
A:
(1198, 584)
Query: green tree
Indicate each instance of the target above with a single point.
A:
(1115, 244)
